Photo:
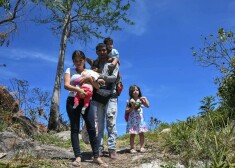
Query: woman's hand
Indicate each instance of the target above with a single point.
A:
(82, 93)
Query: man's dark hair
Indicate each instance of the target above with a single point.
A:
(100, 45)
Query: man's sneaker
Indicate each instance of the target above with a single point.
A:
(113, 154)
(133, 150)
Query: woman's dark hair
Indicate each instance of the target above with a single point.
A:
(80, 54)
(131, 90)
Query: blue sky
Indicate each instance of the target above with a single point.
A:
(154, 53)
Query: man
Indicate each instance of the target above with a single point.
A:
(104, 101)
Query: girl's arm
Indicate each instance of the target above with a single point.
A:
(72, 88)
(128, 108)
(145, 102)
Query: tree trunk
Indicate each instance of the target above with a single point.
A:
(53, 123)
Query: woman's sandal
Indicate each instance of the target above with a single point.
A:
(100, 162)
(77, 162)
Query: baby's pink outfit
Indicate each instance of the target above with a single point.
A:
(86, 98)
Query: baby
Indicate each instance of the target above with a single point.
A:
(86, 86)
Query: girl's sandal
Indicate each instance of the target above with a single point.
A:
(77, 162)
(100, 162)
(143, 150)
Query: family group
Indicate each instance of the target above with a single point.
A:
(93, 94)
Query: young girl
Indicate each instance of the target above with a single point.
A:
(136, 123)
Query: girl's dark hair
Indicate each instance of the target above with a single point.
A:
(80, 54)
(131, 90)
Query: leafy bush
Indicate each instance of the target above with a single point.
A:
(209, 138)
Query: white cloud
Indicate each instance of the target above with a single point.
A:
(141, 17)
(21, 54)
(144, 12)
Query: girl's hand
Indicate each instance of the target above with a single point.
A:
(144, 101)
(129, 108)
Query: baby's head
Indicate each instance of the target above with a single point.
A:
(109, 43)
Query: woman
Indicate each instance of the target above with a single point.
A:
(78, 58)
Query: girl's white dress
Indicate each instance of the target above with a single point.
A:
(136, 123)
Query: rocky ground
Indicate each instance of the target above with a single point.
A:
(31, 153)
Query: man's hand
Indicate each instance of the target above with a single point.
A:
(111, 68)
(101, 82)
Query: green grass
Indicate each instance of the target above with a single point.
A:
(209, 138)
(47, 138)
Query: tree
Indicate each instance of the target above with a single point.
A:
(208, 105)
(10, 11)
(80, 20)
(34, 102)
(153, 123)
(219, 51)
(226, 92)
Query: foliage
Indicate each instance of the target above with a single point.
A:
(48, 138)
(153, 123)
(226, 92)
(3, 125)
(87, 18)
(12, 11)
(217, 51)
(34, 102)
(209, 138)
(5, 120)
(208, 105)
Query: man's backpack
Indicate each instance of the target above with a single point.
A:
(119, 85)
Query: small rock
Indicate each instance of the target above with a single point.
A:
(2, 155)
(166, 130)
